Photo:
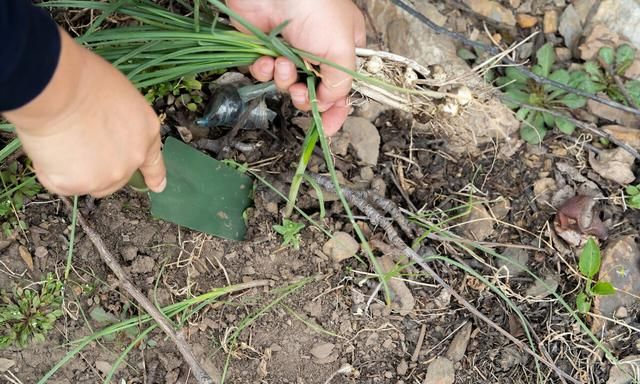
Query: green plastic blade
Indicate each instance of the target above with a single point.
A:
(202, 193)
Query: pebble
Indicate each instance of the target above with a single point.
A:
(322, 350)
(519, 256)
(621, 313)
(492, 10)
(129, 253)
(459, 344)
(41, 252)
(626, 372)
(402, 368)
(103, 367)
(6, 364)
(526, 21)
(364, 138)
(341, 246)
(550, 22)
(563, 54)
(440, 371)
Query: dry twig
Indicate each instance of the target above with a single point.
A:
(178, 338)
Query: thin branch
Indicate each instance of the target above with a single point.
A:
(590, 127)
(493, 50)
(199, 373)
(387, 225)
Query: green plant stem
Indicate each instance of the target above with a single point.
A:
(308, 145)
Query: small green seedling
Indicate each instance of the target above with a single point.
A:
(602, 71)
(589, 265)
(187, 91)
(520, 89)
(633, 200)
(28, 315)
(18, 183)
(290, 231)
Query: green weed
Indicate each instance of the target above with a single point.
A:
(187, 91)
(609, 64)
(28, 315)
(589, 265)
(633, 200)
(290, 231)
(520, 89)
(18, 184)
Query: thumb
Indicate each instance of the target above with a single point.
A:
(153, 169)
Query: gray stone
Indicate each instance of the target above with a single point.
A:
(570, 27)
(341, 247)
(626, 372)
(322, 350)
(440, 371)
(543, 289)
(492, 10)
(364, 138)
(620, 16)
(519, 256)
(459, 344)
(620, 268)
(402, 368)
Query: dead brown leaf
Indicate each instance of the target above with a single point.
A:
(26, 257)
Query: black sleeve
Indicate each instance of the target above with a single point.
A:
(29, 52)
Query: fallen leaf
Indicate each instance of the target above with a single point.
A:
(627, 135)
(26, 257)
(578, 217)
(614, 165)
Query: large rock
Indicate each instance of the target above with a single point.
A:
(621, 16)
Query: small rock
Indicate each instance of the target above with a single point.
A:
(519, 256)
(4, 244)
(621, 313)
(103, 366)
(443, 300)
(429, 10)
(366, 173)
(570, 26)
(458, 345)
(271, 207)
(543, 191)
(322, 350)
(340, 143)
(41, 252)
(525, 50)
(403, 301)
(440, 371)
(129, 253)
(550, 21)
(6, 364)
(364, 138)
(372, 340)
(621, 269)
(514, 3)
(526, 21)
(341, 247)
(379, 186)
(542, 289)
(143, 264)
(478, 224)
(626, 372)
(563, 54)
(370, 110)
(314, 308)
(511, 357)
(402, 368)
(492, 10)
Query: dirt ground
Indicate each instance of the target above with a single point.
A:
(313, 315)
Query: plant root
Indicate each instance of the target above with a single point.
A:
(201, 376)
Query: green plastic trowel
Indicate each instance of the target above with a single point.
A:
(202, 193)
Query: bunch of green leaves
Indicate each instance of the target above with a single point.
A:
(601, 73)
(290, 232)
(589, 265)
(633, 199)
(18, 183)
(28, 315)
(519, 89)
(186, 90)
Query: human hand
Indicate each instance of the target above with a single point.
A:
(90, 129)
(330, 29)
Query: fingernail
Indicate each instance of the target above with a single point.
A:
(299, 98)
(284, 70)
(162, 186)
